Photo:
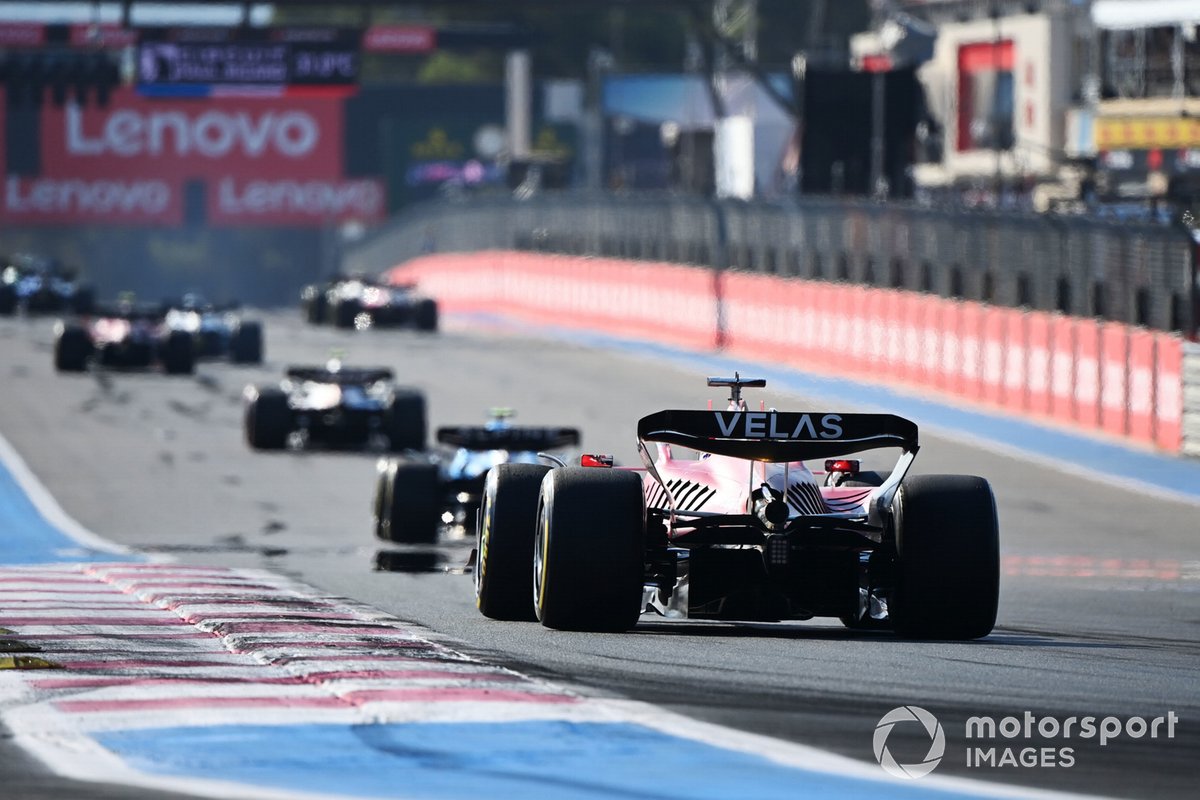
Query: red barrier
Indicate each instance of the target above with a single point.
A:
(1114, 364)
(995, 331)
(1038, 363)
(1141, 386)
(970, 376)
(950, 363)
(1016, 358)
(1062, 369)
(1126, 381)
(1087, 373)
(1168, 406)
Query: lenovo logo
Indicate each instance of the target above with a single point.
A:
(90, 198)
(765, 425)
(210, 134)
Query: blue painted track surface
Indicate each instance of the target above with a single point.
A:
(27, 537)
(532, 760)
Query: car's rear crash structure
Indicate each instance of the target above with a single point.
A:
(335, 407)
(746, 531)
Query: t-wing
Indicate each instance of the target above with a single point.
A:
(515, 438)
(778, 435)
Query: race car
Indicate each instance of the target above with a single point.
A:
(41, 286)
(125, 336)
(745, 531)
(219, 331)
(360, 303)
(416, 496)
(335, 406)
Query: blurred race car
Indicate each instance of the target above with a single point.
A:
(335, 406)
(124, 336)
(219, 331)
(362, 303)
(744, 531)
(41, 286)
(415, 496)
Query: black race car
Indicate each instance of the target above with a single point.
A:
(41, 286)
(335, 406)
(360, 303)
(219, 331)
(124, 336)
(416, 495)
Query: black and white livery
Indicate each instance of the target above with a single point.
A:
(416, 496)
(220, 331)
(42, 286)
(745, 530)
(335, 406)
(359, 303)
(123, 336)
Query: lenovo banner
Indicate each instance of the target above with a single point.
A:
(236, 201)
(274, 160)
(269, 137)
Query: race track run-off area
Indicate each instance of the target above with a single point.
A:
(228, 637)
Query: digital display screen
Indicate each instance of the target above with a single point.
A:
(283, 59)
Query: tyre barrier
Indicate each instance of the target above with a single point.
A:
(1108, 377)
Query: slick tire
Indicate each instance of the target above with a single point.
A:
(405, 418)
(344, 314)
(504, 541)
(72, 349)
(179, 353)
(8, 301)
(425, 316)
(411, 504)
(246, 343)
(948, 558)
(589, 549)
(268, 420)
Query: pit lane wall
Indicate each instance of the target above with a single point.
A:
(1108, 377)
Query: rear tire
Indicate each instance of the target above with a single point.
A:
(72, 349)
(8, 300)
(504, 541)
(406, 422)
(411, 503)
(426, 315)
(345, 312)
(948, 558)
(589, 549)
(179, 353)
(315, 305)
(268, 420)
(246, 343)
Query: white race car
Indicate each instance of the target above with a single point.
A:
(745, 531)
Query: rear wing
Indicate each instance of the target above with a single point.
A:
(778, 435)
(515, 438)
(342, 376)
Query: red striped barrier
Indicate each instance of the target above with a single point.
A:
(1111, 377)
(1038, 364)
(1141, 386)
(1114, 384)
(1087, 372)
(1168, 392)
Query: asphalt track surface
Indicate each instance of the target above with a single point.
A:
(1100, 607)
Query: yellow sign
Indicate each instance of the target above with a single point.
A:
(1146, 133)
(437, 147)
